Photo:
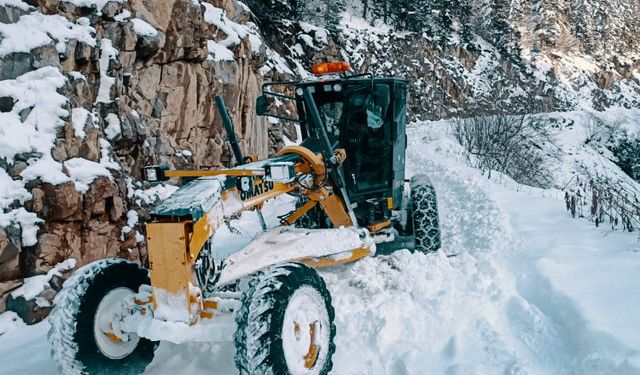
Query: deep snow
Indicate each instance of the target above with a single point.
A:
(519, 288)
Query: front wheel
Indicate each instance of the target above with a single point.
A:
(84, 335)
(285, 325)
(424, 215)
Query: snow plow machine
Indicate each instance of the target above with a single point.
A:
(349, 199)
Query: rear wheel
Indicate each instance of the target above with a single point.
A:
(424, 215)
(285, 325)
(83, 335)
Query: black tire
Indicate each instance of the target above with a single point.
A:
(72, 337)
(258, 338)
(424, 215)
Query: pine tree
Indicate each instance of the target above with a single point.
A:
(581, 13)
(465, 18)
(321, 13)
(271, 13)
(444, 15)
(413, 15)
(504, 36)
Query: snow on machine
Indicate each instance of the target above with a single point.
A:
(353, 201)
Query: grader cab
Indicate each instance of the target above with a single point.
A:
(351, 201)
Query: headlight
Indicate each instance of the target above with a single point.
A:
(155, 173)
(337, 87)
(283, 172)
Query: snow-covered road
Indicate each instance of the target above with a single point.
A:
(519, 288)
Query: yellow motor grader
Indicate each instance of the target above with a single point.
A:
(347, 178)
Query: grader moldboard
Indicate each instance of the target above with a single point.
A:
(348, 176)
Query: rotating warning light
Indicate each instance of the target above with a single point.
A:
(330, 67)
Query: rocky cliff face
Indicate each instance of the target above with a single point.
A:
(95, 90)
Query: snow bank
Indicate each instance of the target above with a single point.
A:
(41, 30)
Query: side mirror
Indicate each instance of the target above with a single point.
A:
(262, 104)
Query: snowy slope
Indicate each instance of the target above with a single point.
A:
(529, 291)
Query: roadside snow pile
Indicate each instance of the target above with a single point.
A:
(596, 187)
(530, 290)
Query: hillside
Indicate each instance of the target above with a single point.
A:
(469, 57)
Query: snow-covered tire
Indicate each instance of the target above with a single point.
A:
(424, 214)
(270, 336)
(74, 345)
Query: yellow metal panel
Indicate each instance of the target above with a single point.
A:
(334, 260)
(335, 209)
(204, 228)
(202, 231)
(167, 247)
(216, 172)
(298, 214)
(378, 226)
(278, 189)
(314, 161)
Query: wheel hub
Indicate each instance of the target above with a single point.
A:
(110, 339)
(305, 336)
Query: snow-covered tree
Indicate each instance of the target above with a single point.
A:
(322, 13)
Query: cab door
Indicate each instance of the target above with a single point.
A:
(367, 138)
